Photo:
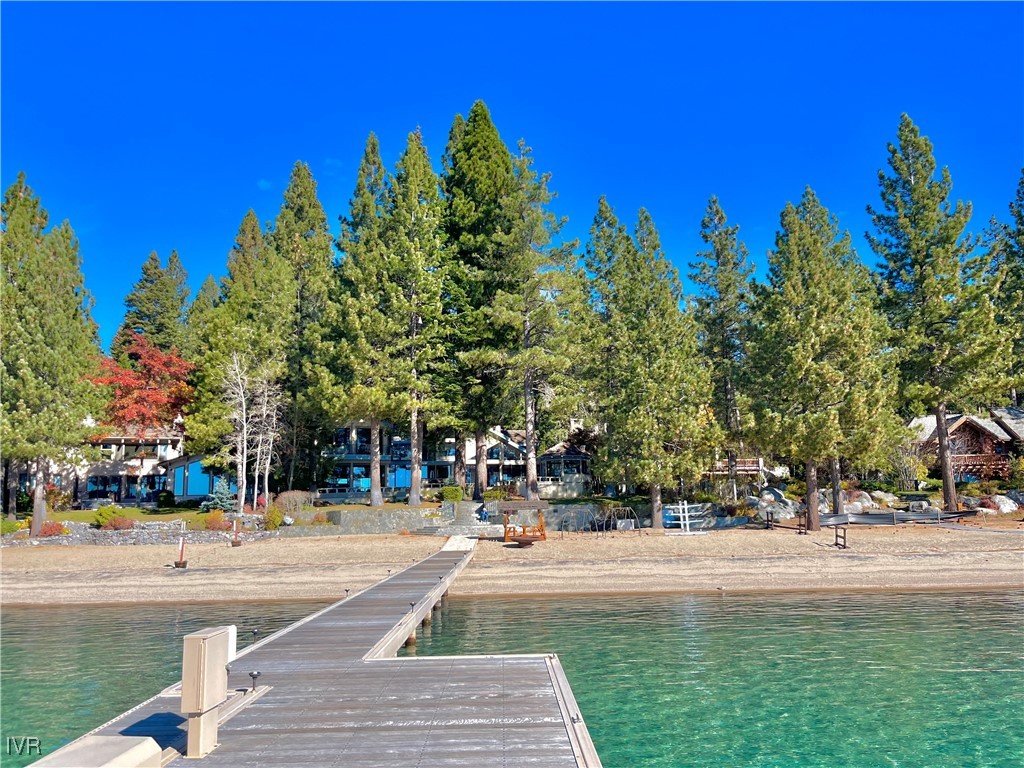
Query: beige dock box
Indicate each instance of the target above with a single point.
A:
(204, 685)
(204, 679)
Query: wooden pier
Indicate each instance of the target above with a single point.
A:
(331, 693)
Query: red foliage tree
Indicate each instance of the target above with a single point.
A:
(150, 395)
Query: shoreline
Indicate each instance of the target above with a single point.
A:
(507, 596)
(889, 559)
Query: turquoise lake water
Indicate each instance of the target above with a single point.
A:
(918, 680)
(928, 680)
(67, 670)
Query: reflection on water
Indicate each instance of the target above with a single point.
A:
(66, 670)
(929, 680)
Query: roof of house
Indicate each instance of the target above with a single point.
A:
(923, 427)
(564, 450)
(1011, 420)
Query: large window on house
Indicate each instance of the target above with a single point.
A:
(179, 481)
(198, 480)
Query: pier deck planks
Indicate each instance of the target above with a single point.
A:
(340, 699)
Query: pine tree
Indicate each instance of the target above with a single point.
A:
(936, 293)
(363, 361)
(534, 316)
(302, 238)
(49, 341)
(155, 307)
(722, 277)
(253, 321)
(656, 412)
(479, 178)
(1007, 249)
(197, 317)
(816, 345)
(415, 245)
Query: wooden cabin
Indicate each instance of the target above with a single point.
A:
(979, 447)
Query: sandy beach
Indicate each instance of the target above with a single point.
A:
(882, 557)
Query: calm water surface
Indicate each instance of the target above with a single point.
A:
(67, 670)
(928, 680)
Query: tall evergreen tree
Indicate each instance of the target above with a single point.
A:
(363, 361)
(656, 411)
(479, 178)
(936, 293)
(816, 345)
(1007, 248)
(302, 238)
(722, 276)
(197, 317)
(155, 307)
(535, 315)
(253, 321)
(415, 247)
(49, 342)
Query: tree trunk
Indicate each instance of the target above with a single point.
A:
(38, 500)
(813, 518)
(532, 491)
(657, 521)
(415, 458)
(257, 467)
(266, 473)
(376, 497)
(949, 499)
(10, 489)
(294, 452)
(480, 481)
(459, 467)
(732, 424)
(837, 487)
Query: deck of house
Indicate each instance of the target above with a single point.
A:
(338, 697)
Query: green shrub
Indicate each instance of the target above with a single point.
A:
(1016, 473)
(104, 515)
(970, 489)
(700, 497)
(23, 503)
(273, 518)
(8, 526)
(165, 499)
(452, 493)
(990, 487)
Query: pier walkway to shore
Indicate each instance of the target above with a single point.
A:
(336, 696)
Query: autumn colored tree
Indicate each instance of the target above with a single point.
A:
(149, 395)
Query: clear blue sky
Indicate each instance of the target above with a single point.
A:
(156, 126)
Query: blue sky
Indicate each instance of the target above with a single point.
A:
(156, 126)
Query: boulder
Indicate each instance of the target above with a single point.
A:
(783, 511)
(1016, 496)
(884, 498)
(853, 508)
(970, 502)
(859, 497)
(752, 501)
(918, 506)
(1005, 504)
(774, 494)
(932, 510)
